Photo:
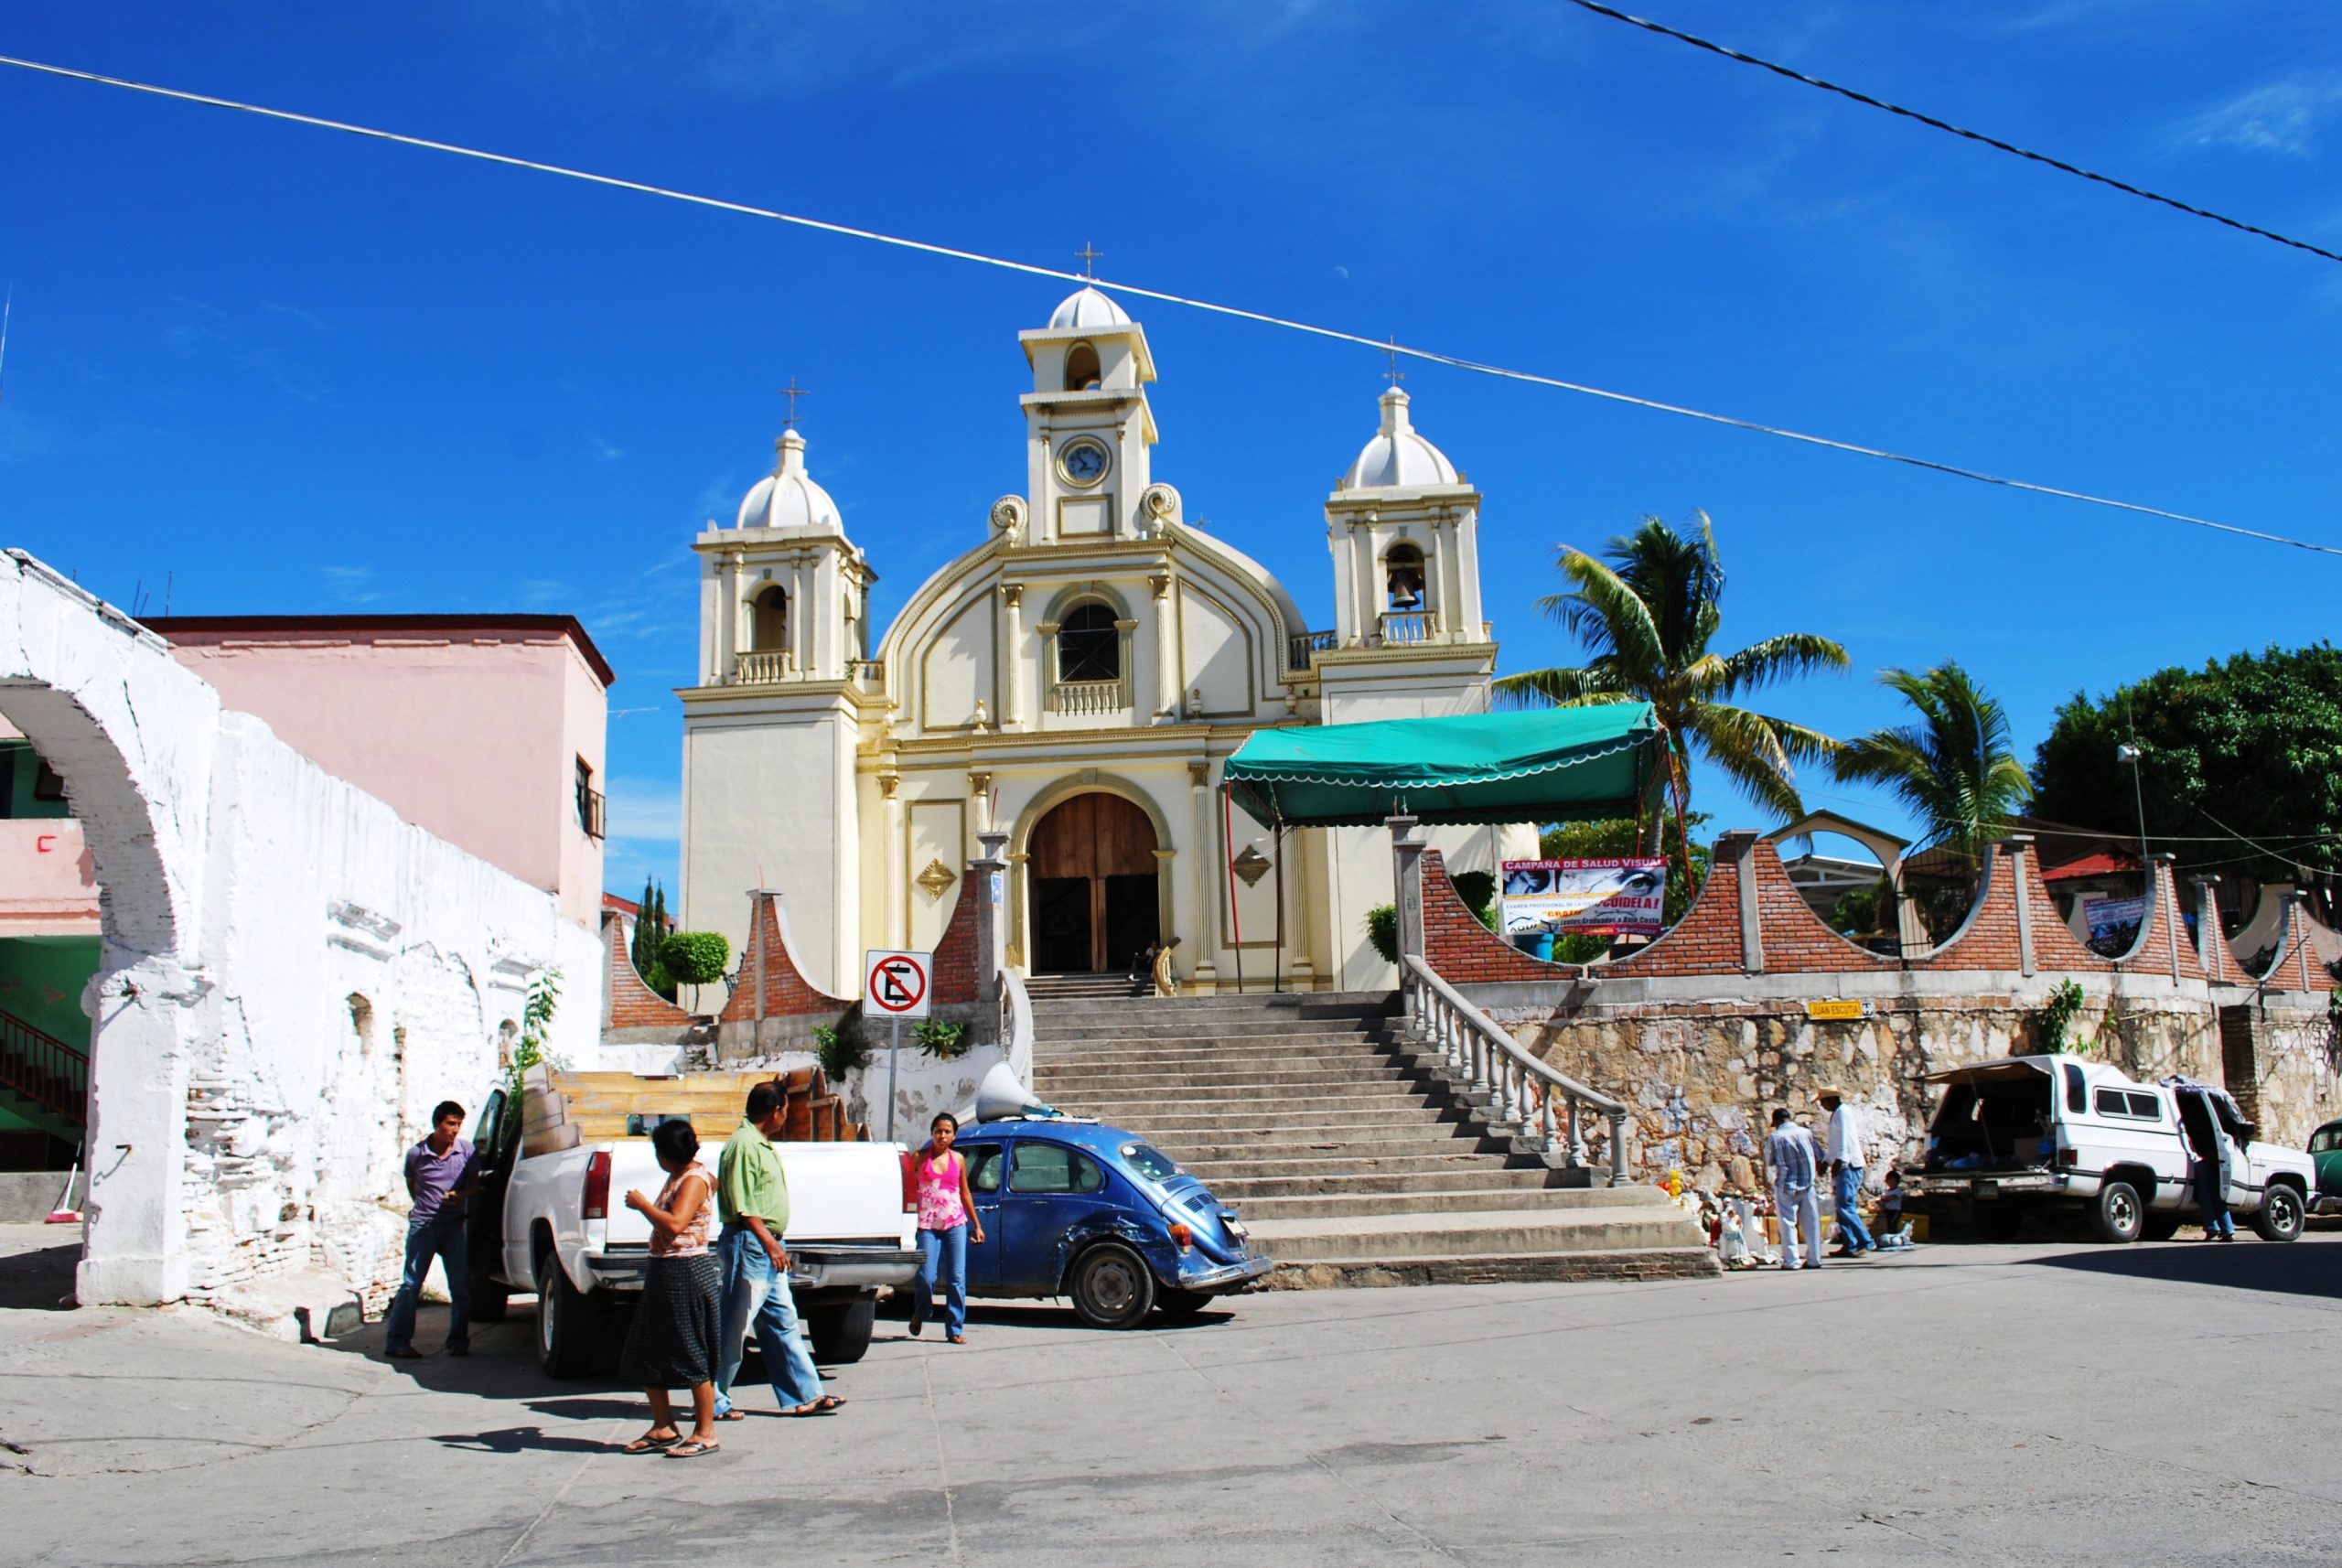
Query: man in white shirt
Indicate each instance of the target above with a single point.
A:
(1789, 1160)
(1845, 1156)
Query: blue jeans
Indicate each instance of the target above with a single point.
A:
(756, 1295)
(1847, 1188)
(944, 1252)
(427, 1239)
(2212, 1200)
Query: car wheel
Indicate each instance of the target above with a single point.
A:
(841, 1334)
(2281, 1216)
(1113, 1287)
(1183, 1304)
(2118, 1216)
(569, 1322)
(2159, 1227)
(1998, 1221)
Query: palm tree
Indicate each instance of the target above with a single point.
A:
(1646, 613)
(1953, 769)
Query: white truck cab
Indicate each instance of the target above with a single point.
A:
(2022, 1134)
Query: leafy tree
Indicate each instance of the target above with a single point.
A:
(1861, 911)
(1953, 769)
(2249, 746)
(536, 1018)
(1647, 613)
(695, 958)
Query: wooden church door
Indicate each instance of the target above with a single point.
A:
(1094, 902)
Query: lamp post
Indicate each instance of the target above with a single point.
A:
(2125, 752)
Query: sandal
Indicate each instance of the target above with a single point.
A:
(650, 1442)
(734, 1415)
(825, 1405)
(956, 1338)
(692, 1448)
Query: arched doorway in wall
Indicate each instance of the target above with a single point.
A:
(1095, 902)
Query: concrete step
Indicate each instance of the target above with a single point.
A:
(1049, 1028)
(1272, 1161)
(1483, 1198)
(1115, 1054)
(1479, 1232)
(1350, 1061)
(1293, 1004)
(1200, 1148)
(1481, 1177)
(1496, 1268)
(1217, 1121)
(1251, 1077)
(1165, 1110)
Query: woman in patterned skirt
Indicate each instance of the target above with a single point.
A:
(672, 1342)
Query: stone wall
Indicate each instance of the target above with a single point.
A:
(1706, 1030)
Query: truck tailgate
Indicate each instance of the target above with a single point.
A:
(837, 1192)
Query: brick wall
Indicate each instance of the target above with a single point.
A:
(1706, 940)
(630, 1004)
(956, 977)
(767, 966)
(1795, 939)
(1460, 950)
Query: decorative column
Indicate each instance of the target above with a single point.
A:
(1369, 583)
(728, 616)
(1166, 675)
(2165, 877)
(987, 883)
(1123, 630)
(980, 787)
(1011, 658)
(2012, 850)
(2208, 923)
(1739, 847)
(1048, 659)
(1407, 877)
(1206, 973)
(1449, 552)
(895, 908)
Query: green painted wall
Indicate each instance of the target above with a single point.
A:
(19, 776)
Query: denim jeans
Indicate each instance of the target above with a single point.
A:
(427, 1239)
(2212, 1200)
(756, 1295)
(943, 1260)
(1846, 1186)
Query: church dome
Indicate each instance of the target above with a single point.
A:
(1086, 308)
(1398, 458)
(787, 497)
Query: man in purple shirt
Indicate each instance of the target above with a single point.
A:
(439, 1179)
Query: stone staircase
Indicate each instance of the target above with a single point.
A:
(1349, 1156)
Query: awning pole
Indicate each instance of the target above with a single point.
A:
(1227, 847)
(1279, 983)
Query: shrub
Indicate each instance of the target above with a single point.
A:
(2057, 1015)
(536, 1016)
(695, 958)
(1477, 889)
(1382, 931)
(944, 1042)
(839, 1053)
(659, 980)
(1580, 946)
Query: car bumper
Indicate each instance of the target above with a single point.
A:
(1201, 1275)
(1987, 1187)
(2326, 1203)
(811, 1266)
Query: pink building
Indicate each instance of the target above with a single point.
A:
(484, 730)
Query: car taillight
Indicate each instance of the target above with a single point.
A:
(597, 1185)
(2069, 1157)
(1185, 1235)
(910, 1182)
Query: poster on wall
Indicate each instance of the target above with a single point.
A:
(1594, 897)
(2113, 922)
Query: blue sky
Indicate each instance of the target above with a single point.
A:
(296, 371)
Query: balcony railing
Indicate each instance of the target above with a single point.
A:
(870, 674)
(592, 812)
(1398, 627)
(764, 668)
(1302, 646)
(1080, 698)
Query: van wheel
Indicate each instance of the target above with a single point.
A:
(2159, 1227)
(2118, 1216)
(841, 1335)
(1113, 1287)
(2281, 1216)
(569, 1322)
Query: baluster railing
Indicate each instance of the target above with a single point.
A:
(1498, 1071)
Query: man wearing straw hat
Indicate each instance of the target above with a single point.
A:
(1844, 1153)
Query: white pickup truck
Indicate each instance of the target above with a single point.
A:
(564, 1231)
(2024, 1133)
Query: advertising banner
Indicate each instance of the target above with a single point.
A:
(2113, 922)
(1595, 897)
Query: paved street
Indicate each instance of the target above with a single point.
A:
(2044, 1403)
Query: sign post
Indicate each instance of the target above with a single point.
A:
(898, 985)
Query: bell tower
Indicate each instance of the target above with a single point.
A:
(1089, 423)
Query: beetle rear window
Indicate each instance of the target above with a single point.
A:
(1149, 1161)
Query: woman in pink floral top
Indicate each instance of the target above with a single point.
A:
(947, 1214)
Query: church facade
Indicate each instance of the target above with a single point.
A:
(1074, 681)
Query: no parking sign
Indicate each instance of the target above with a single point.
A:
(897, 984)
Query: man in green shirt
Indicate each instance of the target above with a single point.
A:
(752, 1199)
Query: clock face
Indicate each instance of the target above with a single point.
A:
(1083, 462)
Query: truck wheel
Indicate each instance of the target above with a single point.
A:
(2159, 1227)
(2281, 1215)
(2118, 1216)
(569, 1322)
(841, 1334)
(489, 1300)
(1113, 1287)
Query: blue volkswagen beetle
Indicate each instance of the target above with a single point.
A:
(1100, 1215)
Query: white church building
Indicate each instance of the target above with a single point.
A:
(1074, 680)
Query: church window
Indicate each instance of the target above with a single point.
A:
(1403, 569)
(1089, 647)
(769, 630)
(1081, 374)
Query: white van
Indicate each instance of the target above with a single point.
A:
(2024, 1133)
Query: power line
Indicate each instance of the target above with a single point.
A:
(2060, 165)
(1029, 269)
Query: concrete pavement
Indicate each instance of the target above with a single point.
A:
(2056, 1403)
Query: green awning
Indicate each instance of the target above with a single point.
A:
(1550, 765)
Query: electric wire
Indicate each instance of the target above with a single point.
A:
(1854, 95)
(1032, 269)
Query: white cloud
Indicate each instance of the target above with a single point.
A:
(352, 584)
(644, 811)
(606, 452)
(2281, 117)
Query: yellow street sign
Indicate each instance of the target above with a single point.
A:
(1838, 1007)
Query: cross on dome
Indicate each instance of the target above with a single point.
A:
(792, 391)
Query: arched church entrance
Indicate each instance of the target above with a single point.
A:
(1092, 864)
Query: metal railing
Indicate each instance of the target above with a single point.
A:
(593, 812)
(1304, 646)
(762, 669)
(1515, 1086)
(1080, 698)
(1401, 626)
(43, 1068)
